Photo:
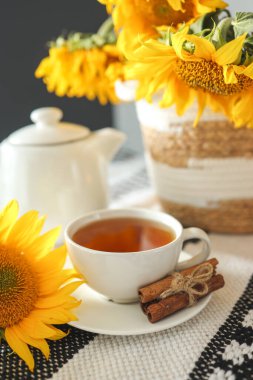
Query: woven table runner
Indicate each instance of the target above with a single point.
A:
(217, 344)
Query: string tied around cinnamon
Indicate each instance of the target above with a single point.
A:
(194, 284)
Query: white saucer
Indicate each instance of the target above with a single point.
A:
(99, 315)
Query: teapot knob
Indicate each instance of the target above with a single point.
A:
(46, 116)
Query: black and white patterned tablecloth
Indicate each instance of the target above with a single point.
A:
(217, 344)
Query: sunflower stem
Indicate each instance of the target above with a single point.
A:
(223, 32)
(106, 28)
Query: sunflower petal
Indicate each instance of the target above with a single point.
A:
(8, 217)
(229, 52)
(242, 111)
(43, 244)
(176, 4)
(203, 48)
(219, 103)
(186, 97)
(202, 100)
(169, 94)
(23, 231)
(229, 74)
(159, 61)
(36, 328)
(41, 344)
(248, 71)
(53, 262)
(48, 285)
(59, 297)
(214, 4)
(58, 334)
(178, 40)
(19, 346)
(54, 316)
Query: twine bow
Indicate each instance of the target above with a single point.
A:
(194, 284)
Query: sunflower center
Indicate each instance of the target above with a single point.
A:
(18, 287)
(208, 76)
(159, 12)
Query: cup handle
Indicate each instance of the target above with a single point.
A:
(199, 257)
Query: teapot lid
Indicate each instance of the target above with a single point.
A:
(48, 130)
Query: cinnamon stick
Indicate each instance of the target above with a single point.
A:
(156, 311)
(151, 292)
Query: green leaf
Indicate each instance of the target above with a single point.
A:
(243, 23)
(223, 32)
(207, 21)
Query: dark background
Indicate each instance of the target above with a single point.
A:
(25, 27)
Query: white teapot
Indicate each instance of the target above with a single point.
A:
(57, 168)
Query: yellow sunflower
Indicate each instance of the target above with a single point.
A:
(35, 290)
(142, 16)
(84, 65)
(192, 68)
(82, 73)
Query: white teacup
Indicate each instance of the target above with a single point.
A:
(118, 276)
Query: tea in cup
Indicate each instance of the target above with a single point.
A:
(118, 251)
